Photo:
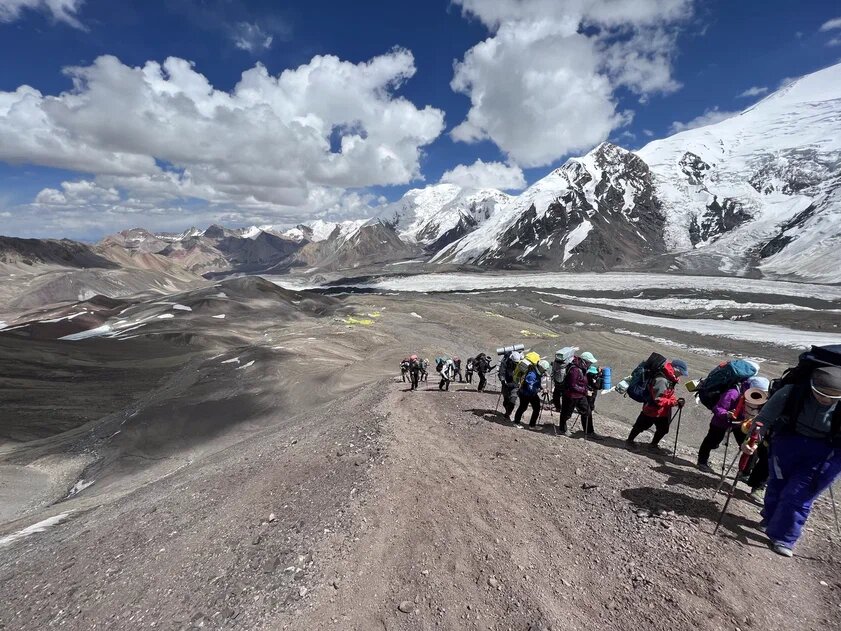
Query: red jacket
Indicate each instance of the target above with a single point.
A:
(662, 390)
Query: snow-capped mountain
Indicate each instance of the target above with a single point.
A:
(437, 215)
(604, 199)
(759, 191)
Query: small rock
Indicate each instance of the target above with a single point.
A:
(425, 572)
(406, 606)
(272, 518)
(493, 582)
(335, 585)
(587, 486)
(257, 540)
(294, 441)
(824, 584)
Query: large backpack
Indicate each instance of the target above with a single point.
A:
(720, 379)
(800, 377)
(642, 376)
(439, 363)
(528, 362)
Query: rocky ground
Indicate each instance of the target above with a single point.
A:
(309, 489)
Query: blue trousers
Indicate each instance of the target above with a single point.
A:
(801, 469)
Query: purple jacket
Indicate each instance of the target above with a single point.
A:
(575, 384)
(726, 403)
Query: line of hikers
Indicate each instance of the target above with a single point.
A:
(788, 429)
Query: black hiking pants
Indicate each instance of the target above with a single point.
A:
(526, 400)
(482, 381)
(415, 377)
(468, 376)
(444, 385)
(758, 475)
(568, 408)
(644, 422)
(509, 399)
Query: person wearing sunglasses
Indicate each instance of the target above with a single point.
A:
(805, 453)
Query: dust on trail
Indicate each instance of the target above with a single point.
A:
(472, 523)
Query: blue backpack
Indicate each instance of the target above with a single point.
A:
(720, 379)
(643, 374)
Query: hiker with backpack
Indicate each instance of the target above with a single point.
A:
(414, 371)
(530, 392)
(804, 416)
(457, 369)
(574, 396)
(424, 369)
(559, 371)
(725, 384)
(653, 384)
(506, 379)
(482, 365)
(468, 370)
(404, 369)
(447, 369)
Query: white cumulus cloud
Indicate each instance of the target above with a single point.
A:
(709, 117)
(482, 174)
(286, 144)
(544, 84)
(830, 25)
(61, 10)
(754, 91)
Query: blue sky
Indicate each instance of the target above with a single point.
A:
(542, 91)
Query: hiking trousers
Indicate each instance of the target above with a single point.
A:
(801, 469)
(415, 375)
(445, 384)
(644, 422)
(569, 406)
(482, 381)
(526, 400)
(711, 441)
(509, 398)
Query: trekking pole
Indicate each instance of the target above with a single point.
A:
(726, 447)
(834, 510)
(726, 473)
(677, 430)
(498, 399)
(744, 463)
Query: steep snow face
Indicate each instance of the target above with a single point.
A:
(760, 189)
(595, 212)
(437, 215)
(321, 230)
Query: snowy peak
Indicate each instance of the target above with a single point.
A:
(603, 198)
(750, 191)
(437, 215)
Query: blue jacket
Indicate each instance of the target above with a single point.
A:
(531, 384)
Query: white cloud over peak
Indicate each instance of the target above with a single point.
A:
(284, 145)
(831, 25)
(709, 117)
(481, 175)
(754, 91)
(251, 37)
(544, 84)
(61, 10)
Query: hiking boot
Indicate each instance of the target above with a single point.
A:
(631, 445)
(758, 495)
(518, 426)
(594, 436)
(705, 468)
(781, 548)
(762, 526)
(657, 449)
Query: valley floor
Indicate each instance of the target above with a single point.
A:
(321, 493)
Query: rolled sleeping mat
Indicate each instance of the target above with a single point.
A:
(606, 385)
(510, 349)
(566, 353)
(622, 386)
(755, 398)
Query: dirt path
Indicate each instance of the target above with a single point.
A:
(475, 524)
